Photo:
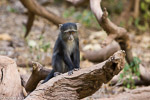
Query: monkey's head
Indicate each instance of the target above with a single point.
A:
(69, 31)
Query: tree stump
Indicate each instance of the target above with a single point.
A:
(10, 82)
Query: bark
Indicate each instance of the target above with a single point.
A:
(137, 94)
(38, 73)
(10, 82)
(102, 54)
(144, 74)
(82, 83)
(118, 33)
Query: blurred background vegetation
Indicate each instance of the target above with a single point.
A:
(39, 44)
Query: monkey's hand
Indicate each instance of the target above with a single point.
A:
(76, 69)
(56, 74)
(70, 72)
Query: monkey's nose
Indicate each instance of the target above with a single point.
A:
(71, 38)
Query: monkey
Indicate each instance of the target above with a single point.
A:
(66, 54)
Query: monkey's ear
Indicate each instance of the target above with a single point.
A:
(78, 25)
(60, 25)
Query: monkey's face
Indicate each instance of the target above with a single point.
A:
(69, 31)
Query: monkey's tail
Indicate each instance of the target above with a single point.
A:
(51, 74)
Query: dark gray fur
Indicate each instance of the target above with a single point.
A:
(66, 55)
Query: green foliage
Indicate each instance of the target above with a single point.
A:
(145, 7)
(41, 46)
(69, 12)
(143, 22)
(114, 6)
(141, 27)
(45, 46)
(86, 17)
(129, 71)
(10, 9)
(58, 1)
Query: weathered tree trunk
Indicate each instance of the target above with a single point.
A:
(10, 82)
(82, 83)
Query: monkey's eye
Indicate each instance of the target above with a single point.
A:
(67, 32)
(72, 32)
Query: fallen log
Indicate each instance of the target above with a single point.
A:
(102, 54)
(82, 83)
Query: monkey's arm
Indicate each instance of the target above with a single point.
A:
(69, 63)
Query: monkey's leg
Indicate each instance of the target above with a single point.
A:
(51, 74)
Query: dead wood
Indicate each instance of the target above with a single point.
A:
(31, 17)
(24, 64)
(102, 54)
(118, 33)
(38, 73)
(144, 74)
(36, 9)
(82, 83)
(136, 94)
(10, 82)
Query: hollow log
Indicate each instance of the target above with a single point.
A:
(81, 83)
(10, 82)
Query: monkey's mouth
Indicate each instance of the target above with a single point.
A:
(71, 39)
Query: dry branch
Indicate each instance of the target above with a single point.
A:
(119, 34)
(31, 17)
(36, 9)
(38, 73)
(82, 83)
